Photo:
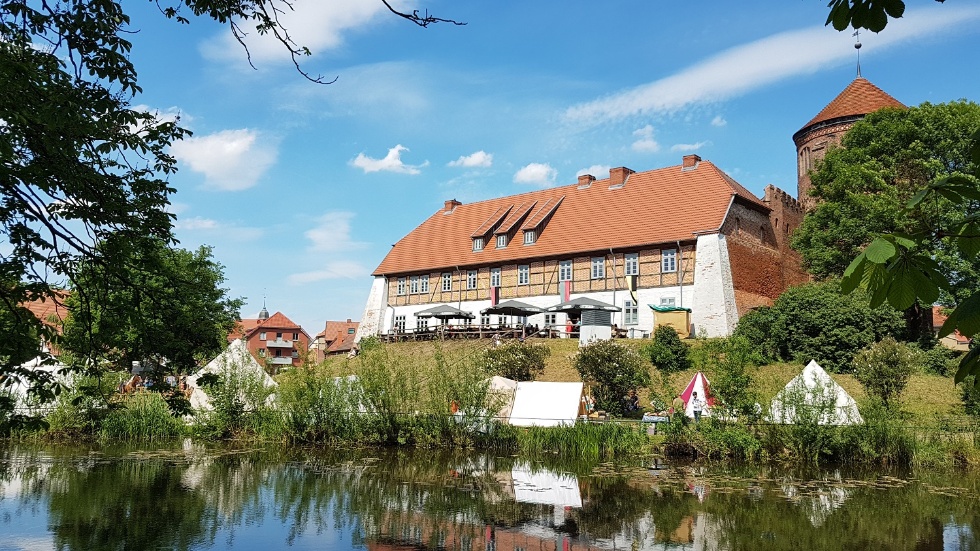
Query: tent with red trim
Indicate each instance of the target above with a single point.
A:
(699, 383)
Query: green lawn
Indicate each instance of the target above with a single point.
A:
(925, 398)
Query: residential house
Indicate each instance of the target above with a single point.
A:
(273, 340)
(953, 341)
(337, 337)
(688, 236)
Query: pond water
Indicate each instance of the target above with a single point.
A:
(202, 498)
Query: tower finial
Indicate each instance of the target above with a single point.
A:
(857, 46)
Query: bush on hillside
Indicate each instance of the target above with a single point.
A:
(816, 322)
(884, 368)
(971, 395)
(939, 360)
(666, 351)
(613, 371)
(520, 361)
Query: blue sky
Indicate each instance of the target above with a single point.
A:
(302, 188)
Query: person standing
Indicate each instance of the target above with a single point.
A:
(697, 404)
(678, 408)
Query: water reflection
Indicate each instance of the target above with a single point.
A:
(196, 497)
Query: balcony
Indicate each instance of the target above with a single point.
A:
(282, 360)
(279, 343)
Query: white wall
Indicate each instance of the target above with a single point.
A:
(714, 312)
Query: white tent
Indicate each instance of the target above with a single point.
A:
(545, 487)
(502, 393)
(236, 360)
(814, 393)
(546, 404)
(24, 403)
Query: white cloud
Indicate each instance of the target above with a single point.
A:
(340, 269)
(317, 25)
(645, 143)
(474, 160)
(195, 223)
(718, 121)
(599, 171)
(538, 174)
(231, 160)
(332, 233)
(392, 162)
(688, 146)
(751, 66)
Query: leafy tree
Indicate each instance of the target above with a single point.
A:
(520, 361)
(666, 351)
(613, 371)
(884, 368)
(173, 309)
(732, 382)
(863, 187)
(817, 322)
(78, 164)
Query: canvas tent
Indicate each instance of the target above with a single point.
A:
(820, 397)
(502, 392)
(699, 383)
(540, 404)
(235, 360)
(26, 404)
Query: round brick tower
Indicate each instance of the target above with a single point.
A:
(828, 127)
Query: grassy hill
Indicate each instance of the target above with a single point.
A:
(925, 398)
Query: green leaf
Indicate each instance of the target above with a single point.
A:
(853, 275)
(880, 250)
(918, 198)
(895, 8)
(968, 239)
(969, 365)
(840, 16)
(901, 287)
(965, 317)
(877, 20)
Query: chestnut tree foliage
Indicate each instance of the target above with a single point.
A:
(83, 175)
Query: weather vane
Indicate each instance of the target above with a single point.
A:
(857, 46)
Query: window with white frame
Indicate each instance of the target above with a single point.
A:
(424, 284)
(630, 313)
(565, 270)
(477, 243)
(550, 319)
(401, 286)
(598, 268)
(667, 301)
(399, 324)
(530, 236)
(471, 279)
(668, 261)
(501, 241)
(262, 336)
(484, 319)
(421, 324)
(262, 352)
(447, 282)
(632, 264)
(413, 286)
(495, 277)
(523, 274)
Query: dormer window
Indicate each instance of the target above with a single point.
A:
(501, 241)
(477, 244)
(530, 236)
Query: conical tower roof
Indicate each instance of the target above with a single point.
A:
(858, 99)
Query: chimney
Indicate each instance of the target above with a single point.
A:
(585, 180)
(690, 162)
(348, 320)
(451, 205)
(618, 176)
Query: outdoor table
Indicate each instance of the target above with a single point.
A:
(655, 420)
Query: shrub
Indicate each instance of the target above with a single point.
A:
(143, 416)
(884, 368)
(971, 395)
(732, 383)
(816, 322)
(666, 351)
(939, 360)
(759, 327)
(613, 371)
(520, 361)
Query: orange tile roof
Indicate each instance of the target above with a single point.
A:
(242, 328)
(50, 310)
(246, 327)
(859, 98)
(658, 206)
(338, 335)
